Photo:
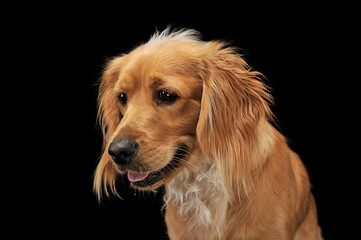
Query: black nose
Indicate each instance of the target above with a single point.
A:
(123, 150)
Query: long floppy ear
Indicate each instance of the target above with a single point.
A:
(234, 101)
(109, 119)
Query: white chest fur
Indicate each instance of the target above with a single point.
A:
(201, 200)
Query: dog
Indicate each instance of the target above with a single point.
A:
(193, 116)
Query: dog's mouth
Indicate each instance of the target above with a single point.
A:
(146, 179)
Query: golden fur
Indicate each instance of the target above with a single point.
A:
(238, 179)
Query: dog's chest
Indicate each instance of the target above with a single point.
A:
(201, 201)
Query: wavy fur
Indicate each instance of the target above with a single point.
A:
(238, 179)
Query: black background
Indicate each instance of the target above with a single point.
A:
(59, 52)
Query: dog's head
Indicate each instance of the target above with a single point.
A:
(170, 101)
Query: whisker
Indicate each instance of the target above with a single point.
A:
(162, 161)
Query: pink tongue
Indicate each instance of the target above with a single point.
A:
(135, 176)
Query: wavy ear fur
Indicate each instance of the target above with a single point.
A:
(234, 102)
(109, 119)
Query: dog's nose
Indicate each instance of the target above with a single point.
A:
(123, 150)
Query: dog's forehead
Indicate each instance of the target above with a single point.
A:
(157, 67)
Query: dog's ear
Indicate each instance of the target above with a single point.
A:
(109, 118)
(234, 100)
(107, 101)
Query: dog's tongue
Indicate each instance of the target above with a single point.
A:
(135, 176)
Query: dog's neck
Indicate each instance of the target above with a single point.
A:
(201, 199)
(200, 195)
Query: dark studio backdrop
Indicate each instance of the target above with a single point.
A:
(292, 47)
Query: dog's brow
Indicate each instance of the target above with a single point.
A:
(156, 81)
(124, 83)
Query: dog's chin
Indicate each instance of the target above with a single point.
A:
(154, 179)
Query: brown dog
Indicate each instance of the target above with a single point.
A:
(192, 115)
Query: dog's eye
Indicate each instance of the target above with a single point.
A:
(123, 98)
(166, 97)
